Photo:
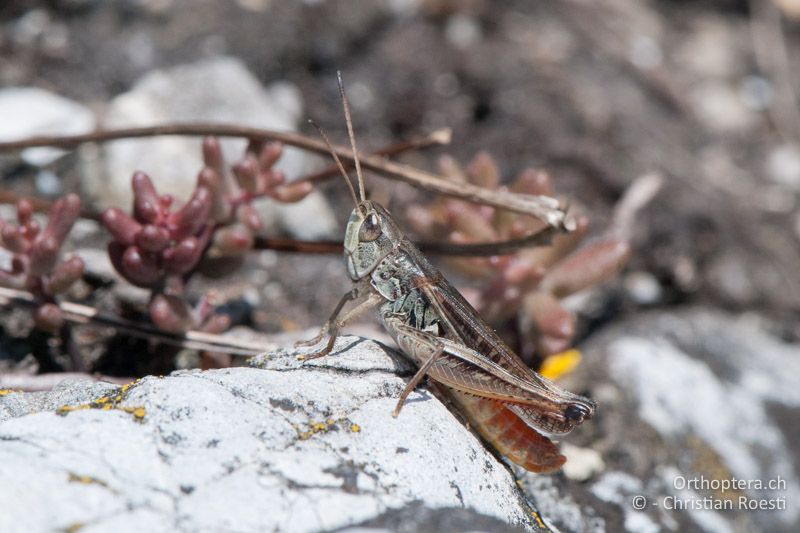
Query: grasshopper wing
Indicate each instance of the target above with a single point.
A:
(489, 368)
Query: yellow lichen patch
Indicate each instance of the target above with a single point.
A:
(327, 425)
(137, 412)
(64, 409)
(74, 527)
(86, 480)
(539, 522)
(6, 392)
(124, 389)
(316, 427)
(560, 364)
(107, 403)
(708, 463)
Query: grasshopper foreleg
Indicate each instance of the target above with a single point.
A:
(348, 296)
(334, 324)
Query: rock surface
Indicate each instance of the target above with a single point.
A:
(29, 111)
(285, 446)
(683, 397)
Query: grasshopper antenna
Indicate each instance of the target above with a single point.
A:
(352, 136)
(338, 161)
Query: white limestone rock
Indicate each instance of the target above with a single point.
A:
(289, 446)
(29, 111)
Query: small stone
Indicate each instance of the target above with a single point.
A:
(582, 463)
(47, 183)
(757, 93)
(721, 108)
(462, 31)
(29, 111)
(643, 288)
(730, 276)
(645, 52)
(30, 27)
(783, 165)
(711, 49)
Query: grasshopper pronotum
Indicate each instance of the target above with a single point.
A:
(501, 397)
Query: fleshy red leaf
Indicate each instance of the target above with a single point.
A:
(146, 203)
(233, 240)
(193, 216)
(43, 255)
(152, 238)
(140, 268)
(122, 227)
(63, 214)
(292, 192)
(64, 275)
(48, 317)
(588, 266)
(183, 257)
(171, 313)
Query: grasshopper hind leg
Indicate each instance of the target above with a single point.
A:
(412, 384)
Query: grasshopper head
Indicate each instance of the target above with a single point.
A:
(371, 234)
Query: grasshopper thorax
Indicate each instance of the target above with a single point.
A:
(371, 235)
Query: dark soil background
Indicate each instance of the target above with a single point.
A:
(702, 93)
(597, 94)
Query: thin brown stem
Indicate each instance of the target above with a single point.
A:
(193, 340)
(40, 205)
(437, 138)
(281, 244)
(544, 208)
(477, 249)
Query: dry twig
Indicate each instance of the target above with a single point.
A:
(544, 208)
(194, 340)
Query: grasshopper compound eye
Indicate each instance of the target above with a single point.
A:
(370, 229)
(577, 412)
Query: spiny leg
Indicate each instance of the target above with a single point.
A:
(335, 325)
(351, 295)
(412, 384)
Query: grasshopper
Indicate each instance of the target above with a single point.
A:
(433, 325)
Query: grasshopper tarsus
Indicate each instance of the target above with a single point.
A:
(310, 342)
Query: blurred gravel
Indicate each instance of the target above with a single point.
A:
(598, 94)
